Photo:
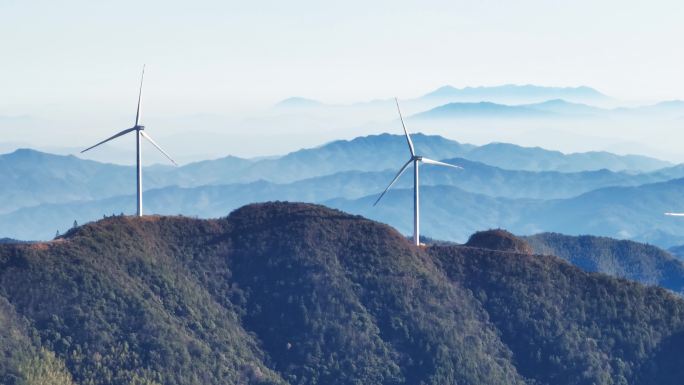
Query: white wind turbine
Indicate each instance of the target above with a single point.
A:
(139, 131)
(416, 160)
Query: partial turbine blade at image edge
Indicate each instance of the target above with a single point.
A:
(401, 171)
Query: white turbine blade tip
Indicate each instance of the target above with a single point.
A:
(137, 111)
(675, 214)
(401, 171)
(437, 163)
(158, 147)
(408, 137)
(124, 132)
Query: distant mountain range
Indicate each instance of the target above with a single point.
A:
(516, 93)
(506, 102)
(43, 193)
(625, 259)
(504, 94)
(30, 178)
(550, 109)
(481, 110)
(450, 213)
(298, 102)
(513, 157)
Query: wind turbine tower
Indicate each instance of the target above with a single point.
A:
(416, 160)
(139, 132)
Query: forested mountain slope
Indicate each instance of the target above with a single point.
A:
(282, 293)
(632, 260)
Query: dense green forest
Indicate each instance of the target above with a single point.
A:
(283, 293)
(621, 258)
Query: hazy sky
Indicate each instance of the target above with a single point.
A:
(77, 62)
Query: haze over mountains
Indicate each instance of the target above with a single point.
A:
(500, 102)
(556, 108)
(526, 190)
(635, 213)
(571, 119)
(283, 293)
(504, 94)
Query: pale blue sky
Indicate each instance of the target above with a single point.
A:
(76, 63)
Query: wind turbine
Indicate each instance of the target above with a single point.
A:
(139, 132)
(416, 160)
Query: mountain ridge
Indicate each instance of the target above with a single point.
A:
(619, 258)
(205, 201)
(30, 177)
(481, 109)
(634, 213)
(506, 93)
(516, 90)
(285, 293)
(547, 109)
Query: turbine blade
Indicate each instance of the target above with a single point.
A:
(137, 112)
(124, 132)
(408, 137)
(436, 163)
(401, 171)
(675, 214)
(158, 148)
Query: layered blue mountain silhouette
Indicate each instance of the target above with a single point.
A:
(525, 190)
(504, 94)
(517, 93)
(550, 109)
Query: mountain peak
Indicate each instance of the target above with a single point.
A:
(670, 104)
(500, 240)
(279, 210)
(516, 92)
(481, 109)
(26, 152)
(306, 219)
(28, 155)
(298, 102)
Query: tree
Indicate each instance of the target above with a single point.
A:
(44, 368)
(137, 380)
